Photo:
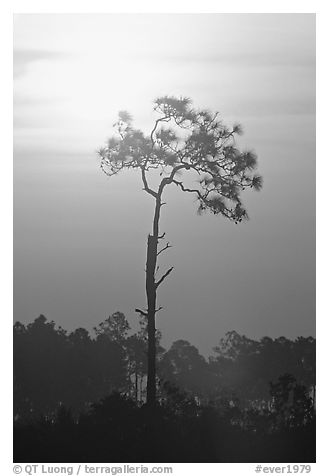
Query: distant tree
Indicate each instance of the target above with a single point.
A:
(110, 353)
(39, 366)
(182, 140)
(80, 370)
(115, 327)
(79, 337)
(184, 367)
(292, 405)
(304, 351)
(137, 363)
(245, 366)
(52, 367)
(233, 345)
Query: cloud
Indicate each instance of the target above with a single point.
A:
(243, 59)
(24, 57)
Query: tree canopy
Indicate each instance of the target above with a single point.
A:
(185, 139)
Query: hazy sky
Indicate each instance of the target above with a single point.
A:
(80, 237)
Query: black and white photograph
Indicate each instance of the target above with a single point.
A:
(164, 245)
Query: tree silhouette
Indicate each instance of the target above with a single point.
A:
(115, 327)
(137, 351)
(292, 404)
(110, 355)
(78, 397)
(183, 366)
(182, 140)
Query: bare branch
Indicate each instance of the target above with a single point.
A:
(143, 313)
(165, 248)
(157, 284)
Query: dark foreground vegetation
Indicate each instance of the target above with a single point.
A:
(79, 398)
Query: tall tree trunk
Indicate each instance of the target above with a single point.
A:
(136, 384)
(151, 260)
(151, 303)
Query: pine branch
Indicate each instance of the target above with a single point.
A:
(201, 197)
(157, 284)
(146, 186)
(165, 248)
(143, 313)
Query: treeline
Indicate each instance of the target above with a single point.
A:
(81, 398)
(55, 368)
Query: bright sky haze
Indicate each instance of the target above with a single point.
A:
(80, 237)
